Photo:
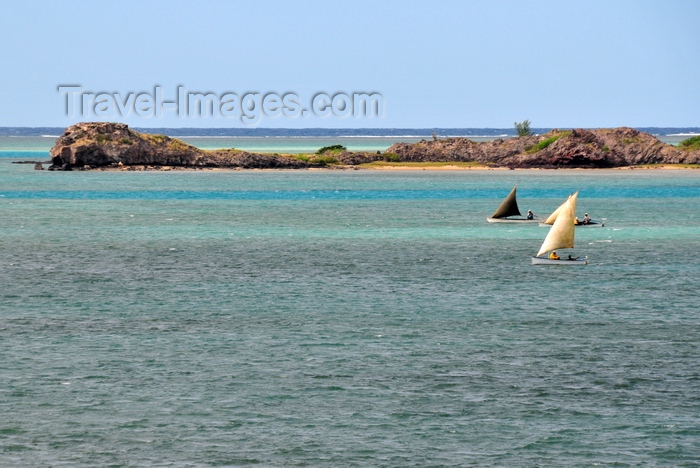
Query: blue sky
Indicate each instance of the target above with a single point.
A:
(436, 64)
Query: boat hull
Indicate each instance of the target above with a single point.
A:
(565, 262)
(512, 220)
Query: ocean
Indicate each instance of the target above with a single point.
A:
(344, 318)
(282, 140)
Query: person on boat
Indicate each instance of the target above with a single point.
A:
(576, 221)
(586, 219)
(530, 214)
(553, 255)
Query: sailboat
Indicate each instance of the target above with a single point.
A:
(561, 236)
(551, 218)
(508, 208)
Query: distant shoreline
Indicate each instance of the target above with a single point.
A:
(95, 145)
(390, 168)
(441, 132)
(270, 144)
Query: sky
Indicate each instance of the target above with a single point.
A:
(450, 64)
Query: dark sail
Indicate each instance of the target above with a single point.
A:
(509, 207)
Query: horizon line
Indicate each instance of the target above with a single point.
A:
(357, 128)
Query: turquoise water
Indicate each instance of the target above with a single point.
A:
(345, 318)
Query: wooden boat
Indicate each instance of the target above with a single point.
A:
(551, 218)
(561, 236)
(508, 208)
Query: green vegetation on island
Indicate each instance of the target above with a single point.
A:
(334, 149)
(690, 144)
(523, 128)
(546, 142)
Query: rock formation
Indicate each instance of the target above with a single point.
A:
(614, 147)
(96, 145)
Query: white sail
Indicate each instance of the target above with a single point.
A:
(553, 217)
(561, 234)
